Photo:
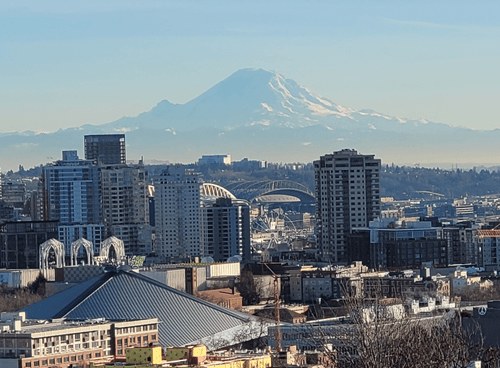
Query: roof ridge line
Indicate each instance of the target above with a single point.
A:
(84, 295)
(230, 312)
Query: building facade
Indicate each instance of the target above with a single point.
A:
(226, 229)
(63, 344)
(72, 191)
(125, 206)
(177, 213)
(67, 234)
(347, 198)
(14, 193)
(105, 149)
(215, 159)
(20, 242)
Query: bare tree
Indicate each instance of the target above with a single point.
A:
(381, 334)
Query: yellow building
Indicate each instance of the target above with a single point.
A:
(150, 355)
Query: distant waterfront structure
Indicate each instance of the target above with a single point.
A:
(177, 213)
(215, 159)
(106, 149)
(347, 197)
(226, 229)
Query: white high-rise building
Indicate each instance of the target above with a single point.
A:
(347, 197)
(177, 213)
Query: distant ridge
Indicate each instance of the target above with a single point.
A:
(262, 115)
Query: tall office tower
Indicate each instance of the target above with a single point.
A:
(105, 149)
(177, 213)
(125, 201)
(347, 197)
(1, 182)
(226, 229)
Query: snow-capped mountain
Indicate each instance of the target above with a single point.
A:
(256, 97)
(262, 115)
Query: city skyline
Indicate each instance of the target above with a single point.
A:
(65, 65)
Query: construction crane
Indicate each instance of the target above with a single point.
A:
(489, 233)
(276, 309)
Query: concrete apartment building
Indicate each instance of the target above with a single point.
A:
(13, 193)
(105, 149)
(226, 229)
(347, 198)
(65, 343)
(125, 206)
(177, 213)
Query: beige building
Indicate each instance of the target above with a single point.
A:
(62, 344)
(125, 206)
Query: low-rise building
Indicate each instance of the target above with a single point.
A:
(64, 343)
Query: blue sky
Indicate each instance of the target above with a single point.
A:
(65, 63)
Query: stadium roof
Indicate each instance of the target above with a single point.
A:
(183, 318)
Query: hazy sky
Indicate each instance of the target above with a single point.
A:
(67, 63)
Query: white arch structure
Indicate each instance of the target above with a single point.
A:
(44, 254)
(115, 243)
(89, 248)
(214, 190)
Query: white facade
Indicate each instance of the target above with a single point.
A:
(347, 197)
(67, 234)
(177, 213)
(215, 159)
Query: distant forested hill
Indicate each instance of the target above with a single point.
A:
(400, 182)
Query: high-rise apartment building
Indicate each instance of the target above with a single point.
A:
(226, 229)
(71, 195)
(14, 193)
(71, 191)
(347, 197)
(125, 201)
(105, 149)
(177, 213)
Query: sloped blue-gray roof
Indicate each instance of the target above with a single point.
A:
(49, 307)
(183, 319)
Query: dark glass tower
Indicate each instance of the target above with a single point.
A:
(105, 149)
